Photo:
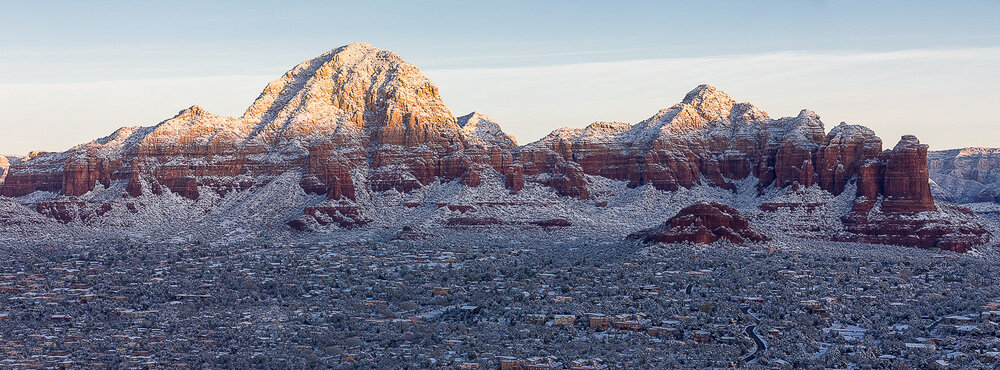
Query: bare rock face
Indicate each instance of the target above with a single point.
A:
(704, 222)
(568, 179)
(514, 178)
(906, 185)
(894, 205)
(844, 151)
(344, 214)
(67, 211)
(39, 171)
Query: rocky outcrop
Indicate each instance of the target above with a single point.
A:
(894, 205)
(413, 233)
(514, 178)
(708, 138)
(480, 126)
(704, 222)
(843, 152)
(67, 211)
(343, 214)
(906, 187)
(965, 175)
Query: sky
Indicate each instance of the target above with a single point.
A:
(73, 71)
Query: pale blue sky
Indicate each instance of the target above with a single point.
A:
(72, 71)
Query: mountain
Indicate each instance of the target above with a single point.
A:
(359, 139)
(479, 125)
(965, 175)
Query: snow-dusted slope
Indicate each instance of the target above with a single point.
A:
(479, 125)
(358, 138)
(965, 175)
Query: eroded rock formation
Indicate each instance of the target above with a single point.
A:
(704, 222)
(358, 120)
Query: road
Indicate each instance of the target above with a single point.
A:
(751, 331)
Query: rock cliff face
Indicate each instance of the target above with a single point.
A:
(704, 222)
(965, 175)
(357, 121)
(893, 189)
(707, 138)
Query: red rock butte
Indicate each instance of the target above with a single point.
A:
(358, 119)
(703, 222)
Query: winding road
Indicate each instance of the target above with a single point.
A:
(751, 331)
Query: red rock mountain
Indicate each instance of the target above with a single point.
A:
(357, 121)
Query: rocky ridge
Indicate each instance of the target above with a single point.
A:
(965, 175)
(344, 132)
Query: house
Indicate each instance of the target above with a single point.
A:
(564, 319)
(628, 325)
(441, 291)
(661, 330)
(599, 321)
(509, 363)
(538, 363)
(584, 364)
(957, 319)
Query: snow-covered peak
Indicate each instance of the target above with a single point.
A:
(357, 86)
(602, 131)
(807, 114)
(708, 96)
(193, 110)
(486, 128)
(701, 108)
(845, 134)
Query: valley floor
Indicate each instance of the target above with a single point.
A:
(482, 296)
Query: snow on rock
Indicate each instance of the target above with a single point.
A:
(357, 143)
(965, 175)
(479, 125)
(703, 222)
(4, 164)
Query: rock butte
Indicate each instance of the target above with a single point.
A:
(358, 118)
(703, 222)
